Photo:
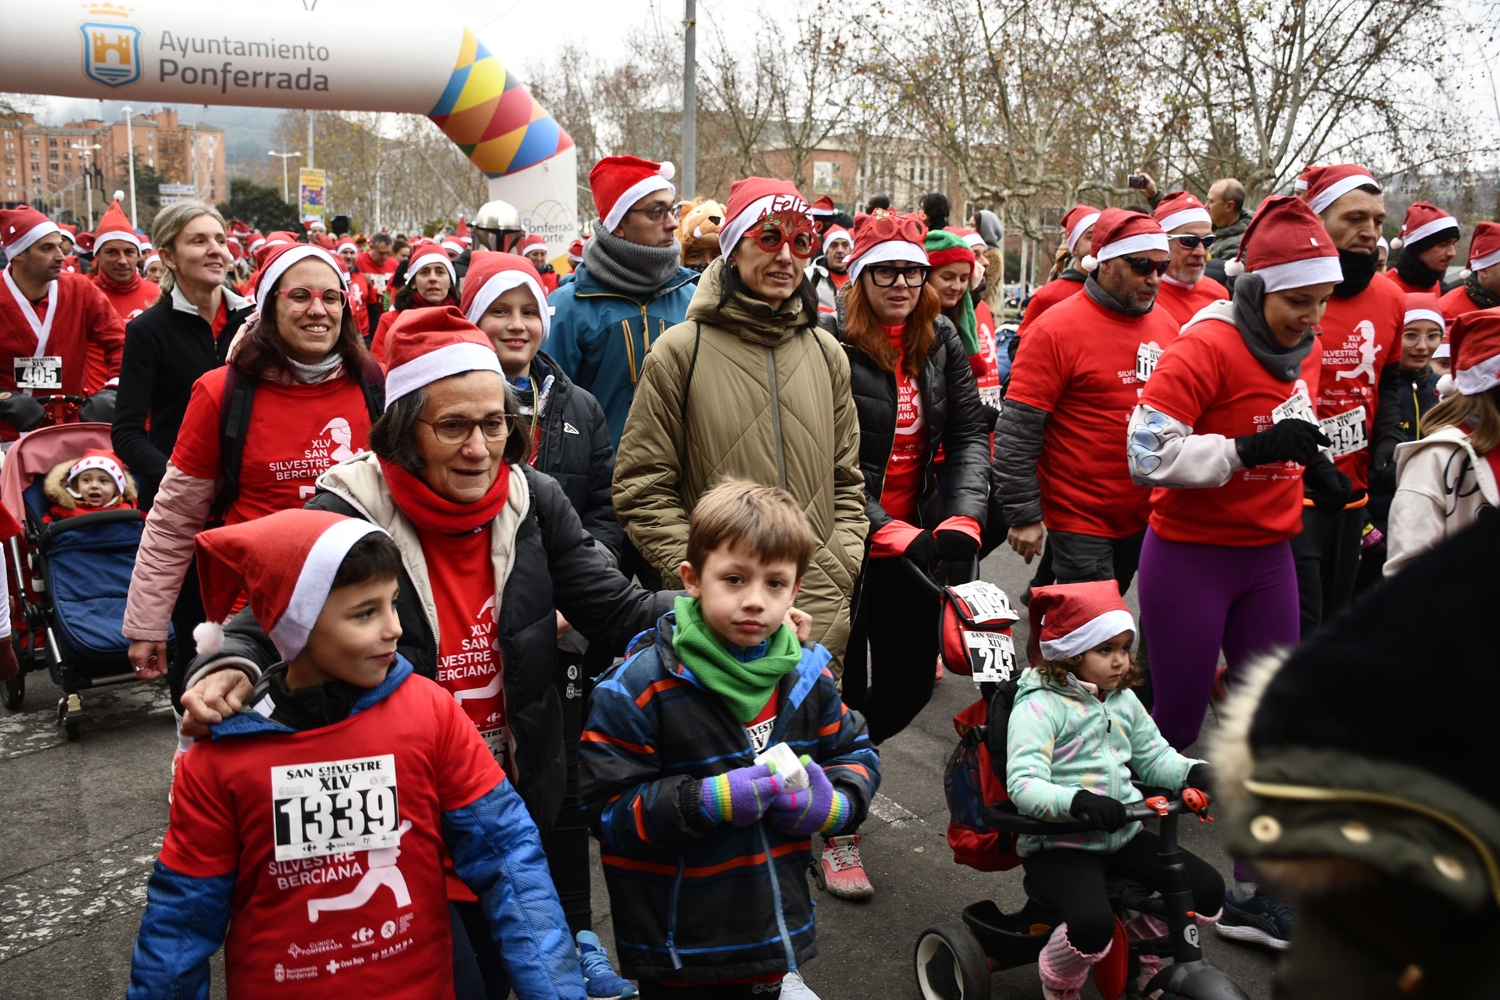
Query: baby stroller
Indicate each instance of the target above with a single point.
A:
(68, 579)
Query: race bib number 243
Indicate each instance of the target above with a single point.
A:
(335, 807)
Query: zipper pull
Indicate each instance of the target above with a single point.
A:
(672, 951)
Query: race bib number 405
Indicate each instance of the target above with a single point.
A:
(39, 373)
(335, 807)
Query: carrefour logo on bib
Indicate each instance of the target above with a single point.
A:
(111, 50)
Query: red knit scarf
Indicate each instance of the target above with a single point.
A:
(109, 284)
(439, 515)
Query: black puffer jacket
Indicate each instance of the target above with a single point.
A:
(576, 451)
(953, 416)
(555, 568)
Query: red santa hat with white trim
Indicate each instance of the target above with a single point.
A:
(1179, 208)
(822, 208)
(491, 275)
(278, 258)
(1322, 186)
(345, 244)
(462, 232)
(971, 238)
(268, 246)
(575, 252)
(1118, 233)
(285, 562)
(836, 233)
(1286, 246)
(427, 345)
(1484, 247)
(424, 252)
(752, 199)
(618, 182)
(883, 236)
(1424, 220)
(1070, 619)
(21, 227)
(105, 461)
(533, 241)
(1424, 305)
(115, 226)
(1475, 340)
(1075, 221)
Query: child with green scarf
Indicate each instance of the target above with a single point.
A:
(703, 849)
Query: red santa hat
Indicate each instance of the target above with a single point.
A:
(1072, 618)
(104, 460)
(533, 241)
(835, 233)
(1322, 186)
(115, 226)
(150, 259)
(492, 275)
(427, 345)
(257, 240)
(21, 227)
(1424, 305)
(237, 227)
(285, 563)
(1287, 246)
(618, 182)
(424, 252)
(462, 233)
(280, 256)
(1179, 208)
(1118, 233)
(346, 244)
(971, 238)
(751, 200)
(1424, 219)
(883, 236)
(1078, 219)
(1475, 340)
(68, 229)
(823, 207)
(575, 252)
(85, 242)
(1484, 247)
(453, 246)
(315, 222)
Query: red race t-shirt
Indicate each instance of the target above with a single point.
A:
(903, 470)
(335, 836)
(1044, 298)
(1210, 381)
(988, 380)
(1182, 302)
(1361, 335)
(1085, 365)
(296, 433)
(379, 275)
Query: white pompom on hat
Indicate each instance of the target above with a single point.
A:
(1072, 618)
(115, 226)
(618, 182)
(1424, 219)
(1119, 232)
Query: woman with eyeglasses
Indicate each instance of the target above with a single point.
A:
(915, 392)
(431, 280)
(1189, 236)
(256, 434)
(491, 551)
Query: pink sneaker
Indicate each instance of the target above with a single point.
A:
(939, 675)
(840, 871)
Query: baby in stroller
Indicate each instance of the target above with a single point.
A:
(96, 481)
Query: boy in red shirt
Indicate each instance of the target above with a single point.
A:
(308, 835)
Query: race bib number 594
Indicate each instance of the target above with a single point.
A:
(335, 807)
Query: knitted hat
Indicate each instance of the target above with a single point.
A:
(533, 241)
(1322, 186)
(424, 252)
(618, 182)
(1424, 305)
(1118, 233)
(1179, 208)
(277, 257)
(115, 226)
(1484, 247)
(885, 236)
(285, 562)
(491, 275)
(1287, 246)
(751, 200)
(700, 225)
(575, 252)
(103, 459)
(1077, 219)
(971, 238)
(462, 232)
(426, 345)
(1073, 618)
(1475, 339)
(836, 233)
(823, 207)
(1424, 220)
(21, 227)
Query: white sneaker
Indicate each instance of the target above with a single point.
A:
(793, 988)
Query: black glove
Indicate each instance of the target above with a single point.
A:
(21, 411)
(99, 407)
(1325, 485)
(1383, 464)
(955, 546)
(991, 417)
(1098, 810)
(1289, 441)
(921, 550)
(1201, 777)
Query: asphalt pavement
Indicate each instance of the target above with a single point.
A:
(83, 822)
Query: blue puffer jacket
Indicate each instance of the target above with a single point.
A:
(600, 335)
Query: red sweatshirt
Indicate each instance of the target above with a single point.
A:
(130, 300)
(72, 315)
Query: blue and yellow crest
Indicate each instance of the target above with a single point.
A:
(111, 51)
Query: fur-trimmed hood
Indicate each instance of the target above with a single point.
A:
(55, 486)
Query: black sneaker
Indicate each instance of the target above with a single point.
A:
(1261, 919)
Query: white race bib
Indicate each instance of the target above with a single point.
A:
(993, 655)
(39, 373)
(1299, 407)
(1346, 431)
(1146, 357)
(987, 602)
(335, 807)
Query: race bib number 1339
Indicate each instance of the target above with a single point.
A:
(335, 807)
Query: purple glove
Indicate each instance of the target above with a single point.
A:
(739, 796)
(820, 809)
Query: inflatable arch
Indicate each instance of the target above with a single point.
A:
(337, 55)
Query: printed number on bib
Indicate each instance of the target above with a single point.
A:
(990, 395)
(1346, 431)
(993, 655)
(1299, 407)
(1146, 357)
(39, 373)
(335, 807)
(986, 603)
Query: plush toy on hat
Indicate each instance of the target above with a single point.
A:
(700, 225)
(618, 182)
(111, 487)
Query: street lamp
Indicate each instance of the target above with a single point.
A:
(88, 178)
(129, 114)
(285, 194)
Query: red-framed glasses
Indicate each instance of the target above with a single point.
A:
(886, 225)
(301, 297)
(777, 229)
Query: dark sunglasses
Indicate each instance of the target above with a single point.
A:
(1190, 242)
(1143, 266)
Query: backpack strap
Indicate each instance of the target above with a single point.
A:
(687, 386)
(234, 423)
(374, 387)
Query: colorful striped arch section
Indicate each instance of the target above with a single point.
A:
(492, 117)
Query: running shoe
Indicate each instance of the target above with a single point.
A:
(793, 988)
(1260, 919)
(600, 978)
(840, 870)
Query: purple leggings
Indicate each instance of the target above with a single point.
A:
(1198, 599)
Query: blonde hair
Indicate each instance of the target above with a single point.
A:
(169, 224)
(763, 520)
(1481, 413)
(994, 280)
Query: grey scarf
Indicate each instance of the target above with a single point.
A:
(315, 373)
(629, 267)
(1284, 363)
(1096, 291)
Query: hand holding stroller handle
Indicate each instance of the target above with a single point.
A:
(1004, 818)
